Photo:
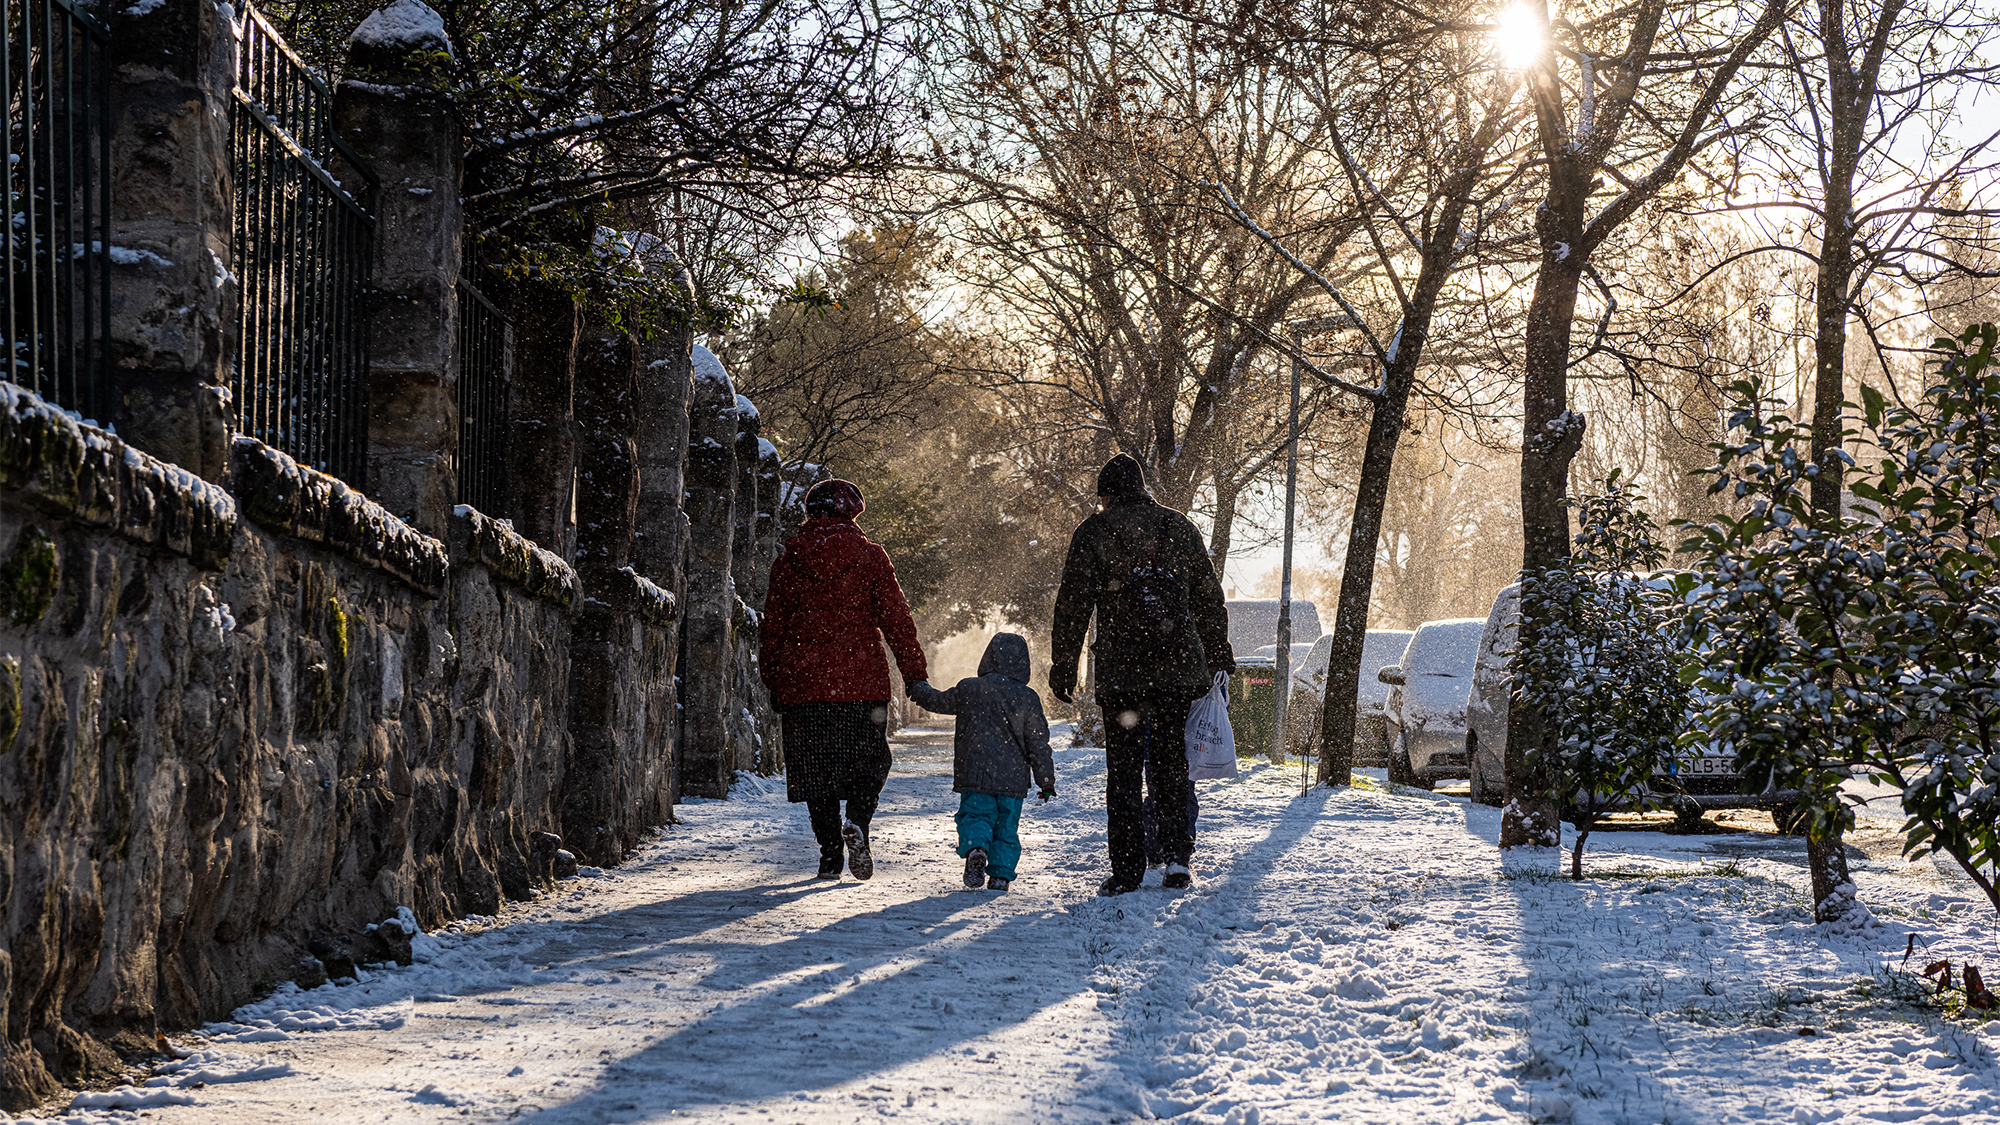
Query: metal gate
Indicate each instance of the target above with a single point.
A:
(303, 247)
(57, 155)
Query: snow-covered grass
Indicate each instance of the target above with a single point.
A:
(1357, 956)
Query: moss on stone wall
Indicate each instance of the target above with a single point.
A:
(29, 577)
(325, 652)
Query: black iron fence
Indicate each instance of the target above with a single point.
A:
(482, 401)
(57, 321)
(303, 247)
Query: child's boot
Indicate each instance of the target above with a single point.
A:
(975, 868)
(996, 883)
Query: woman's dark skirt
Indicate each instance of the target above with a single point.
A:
(835, 750)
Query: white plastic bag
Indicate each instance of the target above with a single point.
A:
(1211, 745)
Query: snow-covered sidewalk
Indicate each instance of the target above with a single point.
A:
(1353, 956)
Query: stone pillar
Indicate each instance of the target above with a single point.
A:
(770, 490)
(607, 712)
(173, 289)
(540, 402)
(660, 539)
(659, 548)
(391, 113)
(708, 648)
(753, 723)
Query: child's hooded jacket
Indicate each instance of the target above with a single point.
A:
(1002, 744)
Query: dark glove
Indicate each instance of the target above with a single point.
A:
(1048, 795)
(1063, 683)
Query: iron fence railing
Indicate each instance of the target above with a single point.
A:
(304, 246)
(57, 156)
(482, 401)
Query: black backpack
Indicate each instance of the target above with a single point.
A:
(1148, 601)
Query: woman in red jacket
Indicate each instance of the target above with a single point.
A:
(833, 598)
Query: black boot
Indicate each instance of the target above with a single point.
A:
(1112, 886)
(859, 861)
(830, 863)
(975, 868)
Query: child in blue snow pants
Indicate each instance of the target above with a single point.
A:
(993, 825)
(1000, 750)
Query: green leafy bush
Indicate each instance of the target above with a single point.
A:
(1867, 640)
(1601, 672)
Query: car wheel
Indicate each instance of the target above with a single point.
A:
(1484, 791)
(1399, 763)
(1401, 771)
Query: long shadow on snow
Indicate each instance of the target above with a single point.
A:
(811, 1010)
(1272, 894)
(817, 1009)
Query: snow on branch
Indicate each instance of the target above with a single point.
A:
(1244, 220)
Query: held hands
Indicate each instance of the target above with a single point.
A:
(1063, 684)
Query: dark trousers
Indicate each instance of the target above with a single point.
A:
(825, 814)
(1154, 854)
(1136, 729)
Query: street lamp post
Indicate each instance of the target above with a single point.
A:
(1281, 680)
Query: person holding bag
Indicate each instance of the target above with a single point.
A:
(1162, 635)
(833, 599)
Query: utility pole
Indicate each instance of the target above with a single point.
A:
(1281, 682)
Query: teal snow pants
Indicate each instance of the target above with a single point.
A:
(992, 823)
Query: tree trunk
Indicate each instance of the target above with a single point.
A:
(1357, 575)
(1551, 434)
(1371, 492)
(1226, 493)
(1850, 97)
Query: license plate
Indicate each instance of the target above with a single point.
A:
(1709, 767)
(1255, 682)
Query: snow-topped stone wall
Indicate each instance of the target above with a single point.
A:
(238, 724)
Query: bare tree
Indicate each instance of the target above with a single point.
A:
(1074, 148)
(574, 106)
(1422, 122)
(1625, 96)
(852, 362)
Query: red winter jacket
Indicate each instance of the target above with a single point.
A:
(833, 596)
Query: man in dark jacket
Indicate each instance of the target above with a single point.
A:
(1000, 748)
(1162, 635)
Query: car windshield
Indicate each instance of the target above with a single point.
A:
(1444, 648)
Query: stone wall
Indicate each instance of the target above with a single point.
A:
(246, 710)
(236, 727)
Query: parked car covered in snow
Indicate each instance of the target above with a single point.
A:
(1424, 716)
(1371, 745)
(1253, 624)
(1692, 785)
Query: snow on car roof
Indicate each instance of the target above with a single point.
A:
(1254, 624)
(1444, 648)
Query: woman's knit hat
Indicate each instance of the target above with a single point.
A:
(835, 499)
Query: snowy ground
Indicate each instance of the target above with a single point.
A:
(1353, 956)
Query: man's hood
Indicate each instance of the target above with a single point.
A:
(827, 548)
(1007, 654)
